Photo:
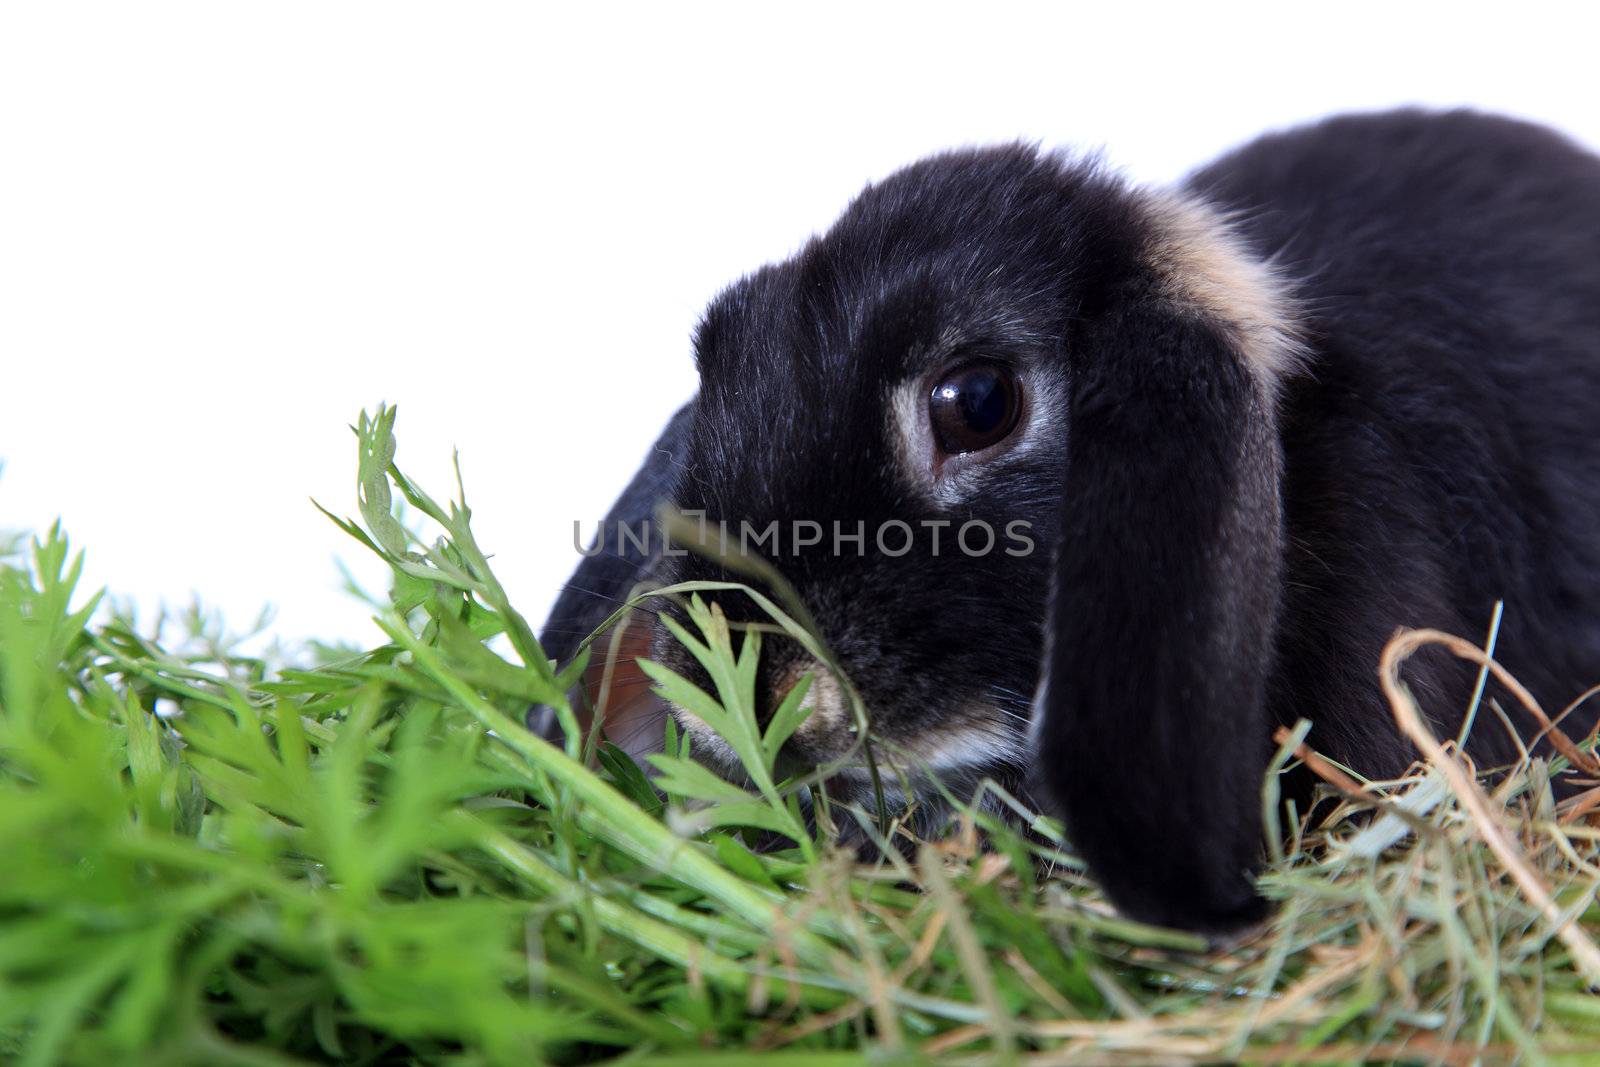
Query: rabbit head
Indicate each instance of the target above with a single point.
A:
(1007, 429)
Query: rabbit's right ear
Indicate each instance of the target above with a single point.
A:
(1151, 721)
(602, 580)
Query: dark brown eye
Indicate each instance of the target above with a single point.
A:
(974, 406)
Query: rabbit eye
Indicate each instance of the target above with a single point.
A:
(974, 406)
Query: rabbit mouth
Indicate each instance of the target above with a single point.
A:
(954, 749)
(958, 755)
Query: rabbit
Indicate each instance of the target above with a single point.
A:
(1343, 380)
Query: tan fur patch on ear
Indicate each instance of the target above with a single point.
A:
(1206, 268)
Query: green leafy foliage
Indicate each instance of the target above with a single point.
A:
(364, 858)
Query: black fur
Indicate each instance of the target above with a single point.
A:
(1223, 561)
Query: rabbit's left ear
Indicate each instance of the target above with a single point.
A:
(1151, 721)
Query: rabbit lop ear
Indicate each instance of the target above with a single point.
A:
(614, 565)
(1151, 722)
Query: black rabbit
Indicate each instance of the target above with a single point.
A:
(1343, 380)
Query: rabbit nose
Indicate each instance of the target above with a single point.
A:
(783, 661)
(829, 719)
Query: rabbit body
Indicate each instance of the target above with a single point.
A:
(1346, 379)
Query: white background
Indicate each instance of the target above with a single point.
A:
(225, 228)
